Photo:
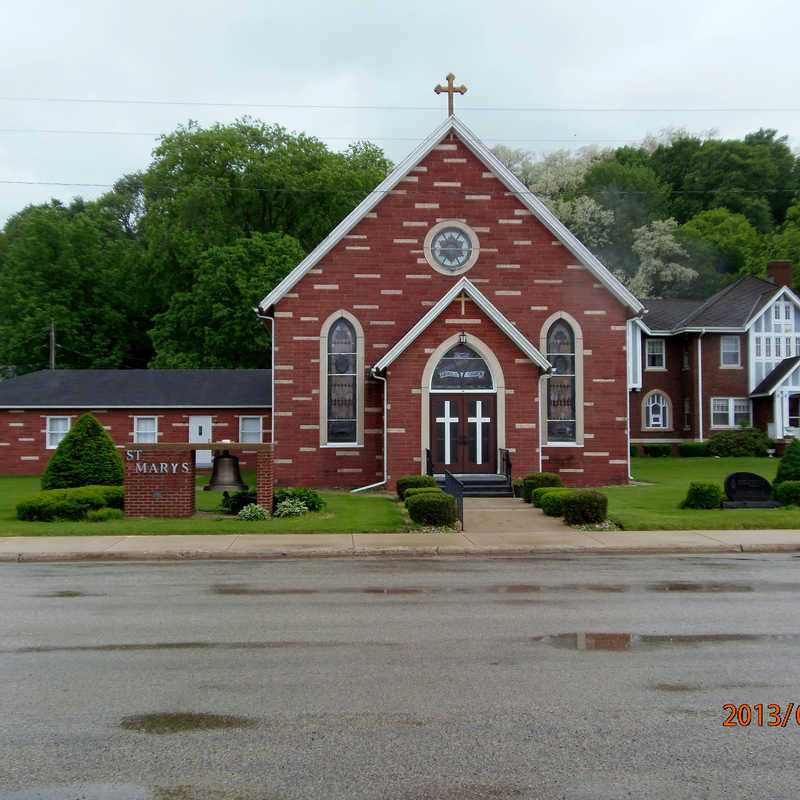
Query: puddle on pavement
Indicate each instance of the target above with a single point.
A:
(183, 722)
(675, 687)
(66, 593)
(166, 646)
(128, 791)
(621, 642)
(692, 586)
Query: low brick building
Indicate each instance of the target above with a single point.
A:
(37, 410)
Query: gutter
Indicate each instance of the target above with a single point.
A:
(542, 411)
(385, 431)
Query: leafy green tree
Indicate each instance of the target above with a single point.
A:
(213, 325)
(86, 456)
(785, 243)
(789, 466)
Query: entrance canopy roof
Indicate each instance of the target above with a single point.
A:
(485, 305)
(785, 376)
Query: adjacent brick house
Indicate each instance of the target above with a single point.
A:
(37, 410)
(700, 367)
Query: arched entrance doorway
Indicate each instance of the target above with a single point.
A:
(463, 413)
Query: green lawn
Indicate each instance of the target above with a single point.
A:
(344, 513)
(656, 507)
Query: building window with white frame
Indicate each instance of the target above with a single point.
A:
(656, 354)
(250, 430)
(342, 382)
(656, 411)
(145, 430)
(57, 428)
(731, 412)
(561, 405)
(730, 351)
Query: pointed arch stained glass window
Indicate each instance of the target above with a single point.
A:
(561, 385)
(342, 374)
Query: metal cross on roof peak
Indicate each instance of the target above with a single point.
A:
(451, 90)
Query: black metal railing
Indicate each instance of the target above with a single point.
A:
(453, 486)
(504, 458)
(428, 462)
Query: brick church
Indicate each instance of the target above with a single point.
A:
(449, 322)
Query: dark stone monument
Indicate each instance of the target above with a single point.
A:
(748, 490)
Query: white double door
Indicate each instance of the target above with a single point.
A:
(199, 433)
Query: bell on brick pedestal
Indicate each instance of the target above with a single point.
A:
(225, 475)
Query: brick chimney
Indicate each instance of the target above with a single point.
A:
(780, 273)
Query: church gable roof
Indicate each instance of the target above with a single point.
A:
(538, 209)
(488, 308)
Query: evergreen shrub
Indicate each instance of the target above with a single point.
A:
(415, 481)
(703, 495)
(658, 450)
(234, 503)
(432, 508)
(693, 449)
(789, 466)
(744, 442)
(69, 504)
(86, 456)
(536, 480)
(584, 507)
(787, 493)
(553, 501)
(104, 514)
(421, 490)
(309, 497)
(634, 450)
(537, 494)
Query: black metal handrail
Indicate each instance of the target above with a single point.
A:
(505, 463)
(454, 487)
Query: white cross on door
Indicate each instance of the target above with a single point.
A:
(479, 420)
(447, 420)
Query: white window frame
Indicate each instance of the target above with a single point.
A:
(137, 433)
(723, 352)
(243, 433)
(731, 412)
(650, 399)
(663, 355)
(49, 433)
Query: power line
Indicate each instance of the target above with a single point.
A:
(333, 107)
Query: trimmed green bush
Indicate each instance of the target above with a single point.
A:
(309, 497)
(787, 493)
(553, 501)
(744, 442)
(104, 514)
(584, 507)
(421, 490)
(693, 449)
(415, 481)
(634, 450)
(71, 504)
(86, 456)
(703, 495)
(536, 480)
(234, 503)
(789, 466)
(253, 513)
(658, 450)
(537, 494)
(432, 508)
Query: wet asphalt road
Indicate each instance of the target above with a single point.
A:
(447, 679)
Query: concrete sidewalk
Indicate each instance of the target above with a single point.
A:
(492, 527)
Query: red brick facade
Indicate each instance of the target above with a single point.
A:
(23, 447)
(379, 274)
(159, 483)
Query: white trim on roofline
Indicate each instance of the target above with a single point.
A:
(465, 285)
(494, 165)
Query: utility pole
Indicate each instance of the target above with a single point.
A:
(52, 344)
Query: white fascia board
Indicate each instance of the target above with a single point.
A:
(546, 217)
(488, 308)
(356, 215)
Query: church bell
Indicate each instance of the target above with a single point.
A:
(226, 476)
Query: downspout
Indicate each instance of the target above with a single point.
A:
(272, 372)
(542, 413)
(628, 430)
(385, 423)
(700, 384)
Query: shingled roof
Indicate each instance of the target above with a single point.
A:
(773, 380)
(664, 315)
(139, 388)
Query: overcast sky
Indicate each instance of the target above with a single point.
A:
(540, 75)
